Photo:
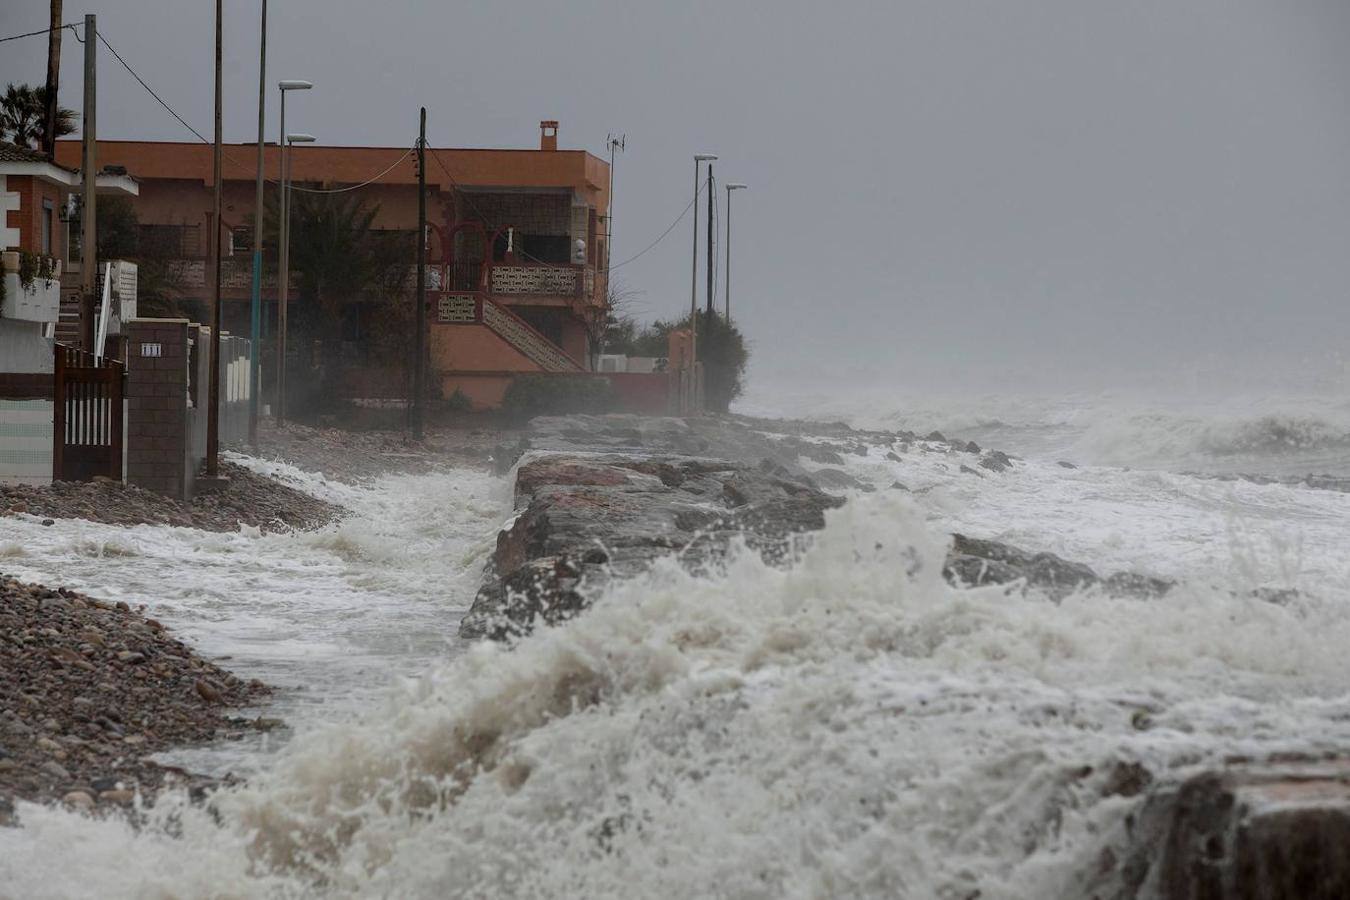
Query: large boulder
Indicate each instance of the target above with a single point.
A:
(586, 518)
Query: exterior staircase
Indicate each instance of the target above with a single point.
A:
(68, 323)
(524, 338)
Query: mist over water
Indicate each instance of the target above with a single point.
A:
(1280, 427)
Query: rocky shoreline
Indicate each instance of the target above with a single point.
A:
(599, 498)
(356, 456)
(88, 689)
(248, 499)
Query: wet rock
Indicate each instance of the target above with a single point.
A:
(1257, 831)
(972, 562)
(967, 470)
(78, 800)
(996, 461)
(1065, 464)
(55, 770)
(248, 499)
(87, 687)
(586, 519)
(208, 691)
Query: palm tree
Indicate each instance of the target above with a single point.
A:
(338, 262)
(21, 115)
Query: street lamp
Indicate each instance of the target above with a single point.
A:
(693, 276)
(731, 186)
(283, 272)
(255, 295)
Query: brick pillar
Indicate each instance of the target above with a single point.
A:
(157, 421)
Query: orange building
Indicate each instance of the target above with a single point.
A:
(516, 253)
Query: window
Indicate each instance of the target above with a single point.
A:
(48, 216)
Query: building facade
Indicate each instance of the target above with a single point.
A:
(516, 247)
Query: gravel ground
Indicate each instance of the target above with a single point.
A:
(248, 499)
(354, 456)
(88, 688)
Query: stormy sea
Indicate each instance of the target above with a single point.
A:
(846, 724)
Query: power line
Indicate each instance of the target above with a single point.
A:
(244, 166)
(352, 187)
(662, 237)
(150, 90)
(15, 37)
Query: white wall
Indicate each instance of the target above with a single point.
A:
(25, 441)
(9, 200)
(23, 348)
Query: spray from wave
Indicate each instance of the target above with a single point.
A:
(847, 726)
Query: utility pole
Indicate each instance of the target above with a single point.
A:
(693, 277)
(255, 306)
(615, 143)
(53, 82)
(420, 345)
(89, 211)
(213, 409)
(712, 201)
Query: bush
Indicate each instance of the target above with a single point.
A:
(722, 350)
(457, 402)
(550, 395)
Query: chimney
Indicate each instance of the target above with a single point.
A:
(548, 135)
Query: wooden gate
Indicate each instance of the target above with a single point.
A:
(86, 416)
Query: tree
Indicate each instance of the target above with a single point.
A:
(340, 262)
(722, 350)
(609, 327)
(22, 114)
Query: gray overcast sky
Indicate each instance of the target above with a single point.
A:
(996, 192)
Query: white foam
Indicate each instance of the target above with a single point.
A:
(850, 726)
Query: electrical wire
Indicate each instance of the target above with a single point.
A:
(242, 165)
(148, 89)
(352, 187)
(663, 235)
(15, 37)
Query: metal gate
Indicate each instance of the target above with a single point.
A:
(87, 416)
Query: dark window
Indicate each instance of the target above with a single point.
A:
(48, 215)
(169, 241)
(546, 248)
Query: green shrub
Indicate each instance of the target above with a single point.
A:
(457, 402)
(555, 395)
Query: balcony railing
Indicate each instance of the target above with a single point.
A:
(553, 281)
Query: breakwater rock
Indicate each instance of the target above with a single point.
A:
(1274, 830)
(584, 519)
(600, 497)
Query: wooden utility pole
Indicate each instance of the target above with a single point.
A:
(53, 82)
(88, 170)
(213, 409)
(420, 344)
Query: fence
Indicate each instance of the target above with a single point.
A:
(87, 416)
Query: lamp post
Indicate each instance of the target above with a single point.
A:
(296, 138)
(731, 186)
(255, 297)
(693, 276)
(283, 260)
